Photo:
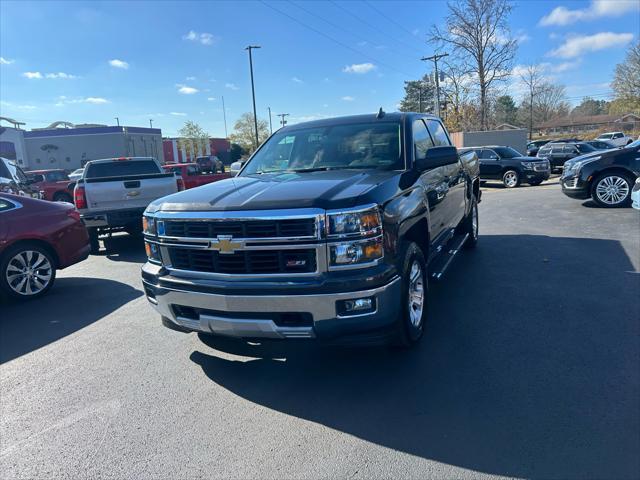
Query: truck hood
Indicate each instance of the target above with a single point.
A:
(323, 189)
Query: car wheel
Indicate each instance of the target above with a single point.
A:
(410, 324)
(511, 179)
(536, 183)
(27, 271)
(62, 197)
(611, 190)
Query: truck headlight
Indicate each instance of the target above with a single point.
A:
(355, 253)
(527, 165)
(149, 225)
(354, 223)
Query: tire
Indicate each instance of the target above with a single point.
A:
(93, 241)
(511, 179)
(471, 225)
(27, 271)
(62, 197)
(536, 183)
(410, 325)
(612, 190)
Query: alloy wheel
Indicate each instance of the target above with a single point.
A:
(416, 294)
(612, 190)
(28, 272)
(510, 179)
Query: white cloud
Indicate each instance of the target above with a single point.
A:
(186, 90)
(115, 63)
(32, 75)
(5, 61)
(231, 86)
(67, 76)
(204, 38)
(561, 16)
(565, 66)
(211, 99)
(296, 80)
(581, 44)
(190, 78)
(96, 100)
(178, 114)
(348, 98)
(359, 68)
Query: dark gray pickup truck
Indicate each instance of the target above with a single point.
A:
(332, 230)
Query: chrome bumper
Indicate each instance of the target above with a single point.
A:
(322, 307)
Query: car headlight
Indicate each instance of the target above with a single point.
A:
(527, 165)
(149, 225)
(575, 167)
(354, 223)
(355, 253)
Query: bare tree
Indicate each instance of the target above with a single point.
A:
(478, 33)
(551, 102)
(532, 78)
(457, 88)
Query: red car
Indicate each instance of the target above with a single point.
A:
(36, 238)
(192, 175)
(54, 184)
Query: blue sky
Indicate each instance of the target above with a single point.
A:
(92, 61)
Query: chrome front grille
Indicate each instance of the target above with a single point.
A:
(287, 228)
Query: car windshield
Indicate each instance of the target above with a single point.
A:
(605, 136)
(585, 147)
(368, 145)
(507, 152)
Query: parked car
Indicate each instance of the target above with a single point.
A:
(52, 184)
(534, 146)
(559, 152)
(617, 139)
(510, 166)
(210, 164)
(36, 239)
(635, 195)
(113, 193)
(236, 166)
(600, 144)
(332, 231)
(191, 174)
(606, 176)
(14, 181)
(76, 174)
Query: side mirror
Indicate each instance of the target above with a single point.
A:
(437, 157)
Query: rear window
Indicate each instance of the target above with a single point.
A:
(121, 168)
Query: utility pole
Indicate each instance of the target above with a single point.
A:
(151, 123)
(283, 122)
(224, 116)
(434, 59)
(253, 92)
(117, 120)
(270, 127)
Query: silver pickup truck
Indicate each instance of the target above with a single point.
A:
(113, 193)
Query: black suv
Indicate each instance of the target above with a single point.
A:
(534, 146)
(606, 176)
(559, 152)
(510, 166)
(332, 230)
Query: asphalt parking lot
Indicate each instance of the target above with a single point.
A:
(530, 367)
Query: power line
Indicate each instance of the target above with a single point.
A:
(383, 15)
(331, 38)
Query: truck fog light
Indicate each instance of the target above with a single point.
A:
(153, 252)
(356, 306)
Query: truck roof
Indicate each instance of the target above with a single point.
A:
(119, 159)
(363, 118)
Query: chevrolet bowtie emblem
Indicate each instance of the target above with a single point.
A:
(225, 244)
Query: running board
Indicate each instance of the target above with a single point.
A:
(443, 261)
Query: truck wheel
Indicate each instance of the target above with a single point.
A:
(414, 296)
(511, 179)
(471, 224)
(27, 271)
(93, 240)
(611, 190)
(62, 197)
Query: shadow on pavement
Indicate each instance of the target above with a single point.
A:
(528, 368)
(72, 304)
(125, 248)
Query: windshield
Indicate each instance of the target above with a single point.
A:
(507, 152)
(370, 145)
(635, 144)
(585, 147)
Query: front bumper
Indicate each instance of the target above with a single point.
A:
(533, 176)
(113, 218)
(575, 187)
(261, 316)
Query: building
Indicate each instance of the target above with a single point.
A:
(67, 146)
(585, 124)
(176, 151)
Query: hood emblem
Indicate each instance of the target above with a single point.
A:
(224, 244)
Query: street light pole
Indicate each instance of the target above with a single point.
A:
(117, 120)
(253, 92)
(434, 59)
(224, 116)
(270, 126)
(150, 123)
(283, 122)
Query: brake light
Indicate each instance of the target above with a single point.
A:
(180, 183)
(79, 197)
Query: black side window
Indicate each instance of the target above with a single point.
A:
(439, 134)
(488, 154)
(421, 139)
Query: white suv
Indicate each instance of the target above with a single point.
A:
(618, 139)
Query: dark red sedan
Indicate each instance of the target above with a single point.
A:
(36, 238)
